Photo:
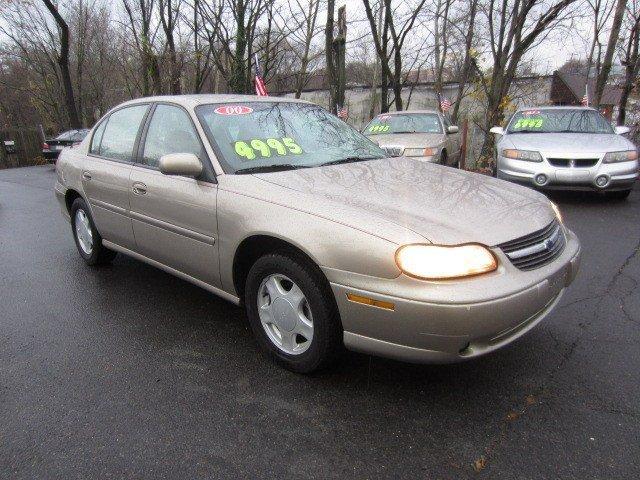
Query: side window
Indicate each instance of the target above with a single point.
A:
(170, 131)
(97, 137)
(120, 133)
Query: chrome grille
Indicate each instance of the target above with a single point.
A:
(573, 163)
(536, 249)
(393, 151)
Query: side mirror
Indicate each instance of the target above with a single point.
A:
(185, 164)
(453, 129)
(621, 130)
(497, 130)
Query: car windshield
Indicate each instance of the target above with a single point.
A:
(564, 120)
(404, 123)
(262, 136)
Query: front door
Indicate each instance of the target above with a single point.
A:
(106, 171)
(174, 217)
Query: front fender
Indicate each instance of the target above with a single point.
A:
(328, 243)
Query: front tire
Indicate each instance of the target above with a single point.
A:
(292, 312)
(618, 194)
(443, 158)
(88, 240)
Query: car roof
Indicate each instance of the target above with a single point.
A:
(402, 112)
(193, 100)
(557, 107)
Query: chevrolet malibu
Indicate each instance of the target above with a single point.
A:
(278, 206)
(423, 135)
(566, 148)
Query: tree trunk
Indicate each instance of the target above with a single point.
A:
(603, 75)
(238, 80)
(63, 64)
(466, 68)
(330, 56)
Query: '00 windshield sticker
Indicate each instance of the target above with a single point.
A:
(233, 110)
(523, 123)
(249, 148)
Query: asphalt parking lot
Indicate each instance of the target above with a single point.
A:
(128, 372)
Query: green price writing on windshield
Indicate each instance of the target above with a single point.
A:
(379, 128)
(528, 123)
(266, 148)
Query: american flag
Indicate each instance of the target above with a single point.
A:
(343, 113)
(445, 104)
(585, 98)
(261, 89)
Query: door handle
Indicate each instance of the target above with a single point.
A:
(86, 175)
(139, 188)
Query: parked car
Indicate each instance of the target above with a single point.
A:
(51, 148)
(277, 205)
(424, 135)
(566, 148)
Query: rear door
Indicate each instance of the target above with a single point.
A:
(174, 217)
(105, 175)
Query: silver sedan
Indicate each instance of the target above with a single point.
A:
(566, 148)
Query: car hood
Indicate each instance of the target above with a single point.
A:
(409, 140)
(441, 204)
(567, 143)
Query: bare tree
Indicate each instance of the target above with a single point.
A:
(63, 64)
(299, 23)
(603, 75)
(169, 14)
(515, 26)
(140, 16)
(440, 40)
(335, 54)
(602, 10)
(469, 59)
(630, 56)
(398, 35)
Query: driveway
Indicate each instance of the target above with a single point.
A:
(127, 372)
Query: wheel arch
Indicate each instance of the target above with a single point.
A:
(255, 246)
(70, 197)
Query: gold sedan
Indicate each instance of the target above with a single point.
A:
(279, 206)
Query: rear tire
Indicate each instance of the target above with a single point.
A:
(88, 240)
(443, 158)
(618, 195)
(284, 295)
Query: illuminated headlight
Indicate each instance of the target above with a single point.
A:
(419, 152)
(557, 211)
(436, 262)
(527, 155)
(614, 157)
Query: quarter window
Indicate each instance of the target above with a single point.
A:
(97, 138)
(170, 131)
(120, 133)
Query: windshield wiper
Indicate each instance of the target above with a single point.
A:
(269, 168)
(528, 131)
(403, 131)
(348, 160)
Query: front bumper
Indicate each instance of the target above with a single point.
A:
(443, 322)
(619, 176)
